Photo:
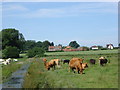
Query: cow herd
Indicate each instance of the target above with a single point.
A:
(7, 61)
(74, 64)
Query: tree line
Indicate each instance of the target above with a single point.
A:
(14, 43)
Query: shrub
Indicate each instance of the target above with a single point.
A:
(35, 52)
(10, 52)
(104, 49)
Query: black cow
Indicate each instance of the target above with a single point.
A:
(103, 61)
(66, 61)
(92, 61)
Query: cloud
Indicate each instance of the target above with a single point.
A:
(73, 10)
(13, 7)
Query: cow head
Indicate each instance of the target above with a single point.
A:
(44, 59)
(84, 65)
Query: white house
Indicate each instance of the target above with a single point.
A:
(110, 46)
(94, 47)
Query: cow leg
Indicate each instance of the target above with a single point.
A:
(69, 69)
(77, 70)
(81, 71)
(53, 67)
(73, 70)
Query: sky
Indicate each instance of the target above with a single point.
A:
(88, 23)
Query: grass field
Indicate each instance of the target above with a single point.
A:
(83, 52)
(95, 76)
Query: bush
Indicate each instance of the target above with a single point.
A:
(35, 52)
(104, 49)
(10, 52)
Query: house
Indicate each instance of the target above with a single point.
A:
(54, 48)
(110, 46)
(94, 48)
(69, 48)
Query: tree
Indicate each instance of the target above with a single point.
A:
(85, 48)
(29, 44)
(74, 44)
(51, 44)
(12, 37)
(10, 52)
(0, 40)
(36, 51)
(21, 42)
(60, 45)
(39, 44)
(46, 44)
(100, 47)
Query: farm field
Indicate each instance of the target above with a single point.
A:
(95, 76)
(83, 52)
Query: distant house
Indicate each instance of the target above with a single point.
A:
(110, 46)
(94, 48)
(69, 48)
(54, 48)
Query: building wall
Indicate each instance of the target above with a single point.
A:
(94, 48)
(110, 47)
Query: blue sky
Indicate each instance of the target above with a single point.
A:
(89, 23)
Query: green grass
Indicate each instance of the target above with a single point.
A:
(83, 52)
(95, 76)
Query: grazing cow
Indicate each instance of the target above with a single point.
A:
(57, 61)
(8, 60)
(1, 60)
(5, 63)
(76, 63)
(15, 60)
(66, 61)
(92, 61)
(84, 65)
(50, 64)
(79, 59)
(103, 61)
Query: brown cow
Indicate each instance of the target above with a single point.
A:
(50, 64)
(57, 61)
(84, 65)
(76, 63)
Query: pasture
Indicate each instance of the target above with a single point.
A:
(97, 52)
(95, 76)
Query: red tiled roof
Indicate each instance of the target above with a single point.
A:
(94, 46)
(51, 47)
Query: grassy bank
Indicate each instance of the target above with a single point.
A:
(7, 70)
(95, 76)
